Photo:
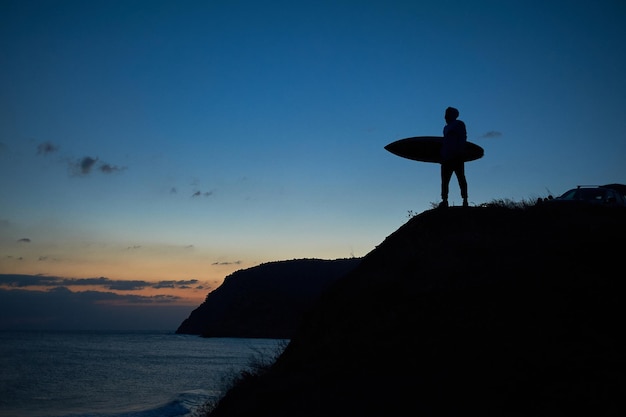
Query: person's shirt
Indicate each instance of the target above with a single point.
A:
(454, 139)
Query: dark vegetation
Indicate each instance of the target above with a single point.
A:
(265, 301)
(492, 311)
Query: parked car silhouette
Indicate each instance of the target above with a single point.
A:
(620, 188)
(591, 195)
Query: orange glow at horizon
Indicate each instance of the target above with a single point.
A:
(165, 283)
(151, 296)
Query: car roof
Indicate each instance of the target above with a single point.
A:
(620, 188)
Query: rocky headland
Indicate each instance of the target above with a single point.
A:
(265, 301)
(492, 311)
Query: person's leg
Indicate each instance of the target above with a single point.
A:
(460, 176)
(446, 174)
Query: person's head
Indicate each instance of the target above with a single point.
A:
(451, 114)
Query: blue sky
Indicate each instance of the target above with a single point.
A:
(183, 140)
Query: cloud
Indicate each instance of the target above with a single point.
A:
(110, 169)
(140, 300)
(490, 135)
(101, 281)
(63, 309)
(127, 285)
(202, 194)
(165, 284)
(46, 148)
(24, 281)
(227, 263)
(85, 165)
(175, 284)
(24, 239)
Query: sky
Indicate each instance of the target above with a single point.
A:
(148, 149)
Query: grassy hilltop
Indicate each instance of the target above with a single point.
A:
(495, 310)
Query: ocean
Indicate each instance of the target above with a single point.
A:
(121, 374)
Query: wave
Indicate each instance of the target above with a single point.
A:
(191, 403)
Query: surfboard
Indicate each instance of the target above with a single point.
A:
(428, 149)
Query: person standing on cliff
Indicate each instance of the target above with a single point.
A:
(454, 140)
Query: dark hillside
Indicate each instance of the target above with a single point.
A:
(490, 311)
(267, 300)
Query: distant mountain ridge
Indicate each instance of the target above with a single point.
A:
(267, 300)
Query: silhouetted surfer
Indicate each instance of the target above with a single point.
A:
(454, 139)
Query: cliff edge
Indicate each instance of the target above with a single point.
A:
(490, 310)
(265, 301)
